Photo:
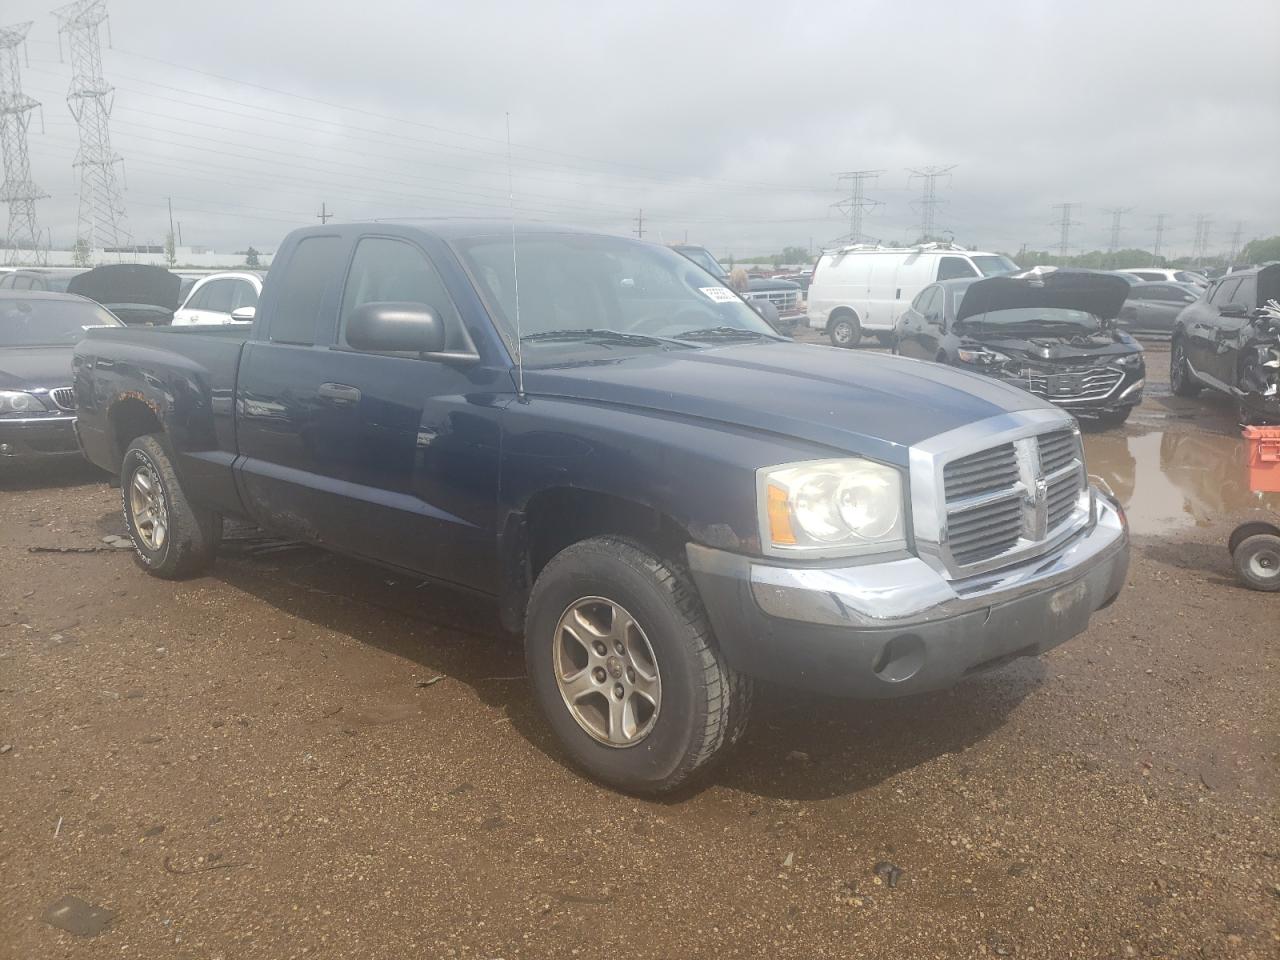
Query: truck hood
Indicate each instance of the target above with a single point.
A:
(132, 283)
(34, 368)
(769, 283)
(1097, 293)
(872, 405)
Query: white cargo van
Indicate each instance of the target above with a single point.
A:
(862, 289)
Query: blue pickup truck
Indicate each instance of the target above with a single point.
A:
(664, 498)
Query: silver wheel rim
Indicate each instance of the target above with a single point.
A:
(146, 503)
(1179, 371)
(606, 671)
(1265, 564)
(843, 331)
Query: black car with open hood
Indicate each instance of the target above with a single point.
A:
(1050, 333)
(138, 293)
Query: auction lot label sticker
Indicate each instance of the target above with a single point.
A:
(720, 294)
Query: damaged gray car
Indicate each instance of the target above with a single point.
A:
(1229, 341)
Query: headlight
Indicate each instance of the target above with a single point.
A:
(1132, 361)
(981, 356)
(828, 508)
(15, 402)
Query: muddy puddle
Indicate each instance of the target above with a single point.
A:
(1169, 481)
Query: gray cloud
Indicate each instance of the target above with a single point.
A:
(727, 121)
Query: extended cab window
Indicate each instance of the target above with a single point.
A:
(393, 271)
(1246, 293)
(217, 296)
(313, 268)
(246, 295)
(1223, 291)
(954, 268)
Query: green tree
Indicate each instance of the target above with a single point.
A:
(1260, 250)
(170, 251)
(251, 258)
(81, 255)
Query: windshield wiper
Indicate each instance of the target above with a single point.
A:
(722, 333)
(600, 334)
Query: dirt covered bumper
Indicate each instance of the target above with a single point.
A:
(899, 627)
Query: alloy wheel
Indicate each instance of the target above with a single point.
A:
(146, 503)
(606, 672)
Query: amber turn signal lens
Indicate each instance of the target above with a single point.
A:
(780, 531)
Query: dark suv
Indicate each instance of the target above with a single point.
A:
(1228, 341)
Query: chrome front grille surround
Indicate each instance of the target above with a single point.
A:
(998, 492)
(1072, 386)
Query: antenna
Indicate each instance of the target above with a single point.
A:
(515, 265)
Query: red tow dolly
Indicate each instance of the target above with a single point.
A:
(1255, 546)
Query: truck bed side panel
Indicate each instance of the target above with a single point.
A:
(185, 379)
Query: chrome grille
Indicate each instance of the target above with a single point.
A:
(784, 300)
(1072, 386)
(1011, 498)
(64, 397)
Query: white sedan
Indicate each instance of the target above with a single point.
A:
(220, 298)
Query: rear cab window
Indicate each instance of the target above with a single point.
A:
(312, 271)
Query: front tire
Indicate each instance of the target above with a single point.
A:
(845, 331)
(1257, 562)
(171, 538)
(625, 668)
(1181, 380)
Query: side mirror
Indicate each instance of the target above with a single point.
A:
(395, 327)
(1233, 310)
(244, 314)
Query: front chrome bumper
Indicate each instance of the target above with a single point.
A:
(900, 626)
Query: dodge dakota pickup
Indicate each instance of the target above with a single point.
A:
(665, 499)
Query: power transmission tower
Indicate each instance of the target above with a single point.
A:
(101, 218)
(1117, 215)
(18, 191)
(928, 202)
(1155, 253)
(858, 203)
(1203, 223)
(639, 221)
(1064, 224)
(1236, 236)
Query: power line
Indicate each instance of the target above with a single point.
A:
(928, 202)
(1064, 224)
(858, 203)
(19, 191)
(1117, 215)
(1236, 236)
(101, 219)
(1155, 252)
(1201, 244)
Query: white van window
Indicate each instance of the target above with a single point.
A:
(994, 266)
(955, 268)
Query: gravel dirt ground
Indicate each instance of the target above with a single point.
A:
(301, 755)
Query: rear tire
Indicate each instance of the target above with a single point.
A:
(845, 331)
(171, 538)
(1257, 562)
(1181, 380)
(692, 705)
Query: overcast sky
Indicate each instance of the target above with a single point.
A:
(723, 121)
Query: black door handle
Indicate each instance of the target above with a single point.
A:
(339, 393)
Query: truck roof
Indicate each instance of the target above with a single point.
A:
(452, 228)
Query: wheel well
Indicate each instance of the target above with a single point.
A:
(557, 518)
(840, 312)
(129, 419)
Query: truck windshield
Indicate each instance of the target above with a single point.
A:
(604, 293)
(49, 323)
(994, 266)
